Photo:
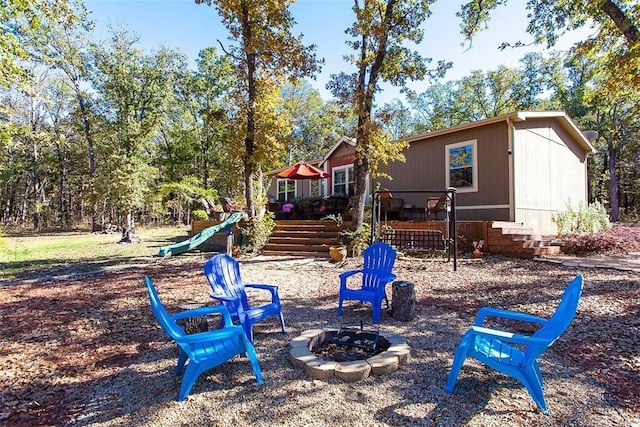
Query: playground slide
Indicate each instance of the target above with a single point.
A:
(201, 237)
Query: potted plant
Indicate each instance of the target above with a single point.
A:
(477, 249)
(337, 253)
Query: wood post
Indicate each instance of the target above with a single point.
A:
(403, 302)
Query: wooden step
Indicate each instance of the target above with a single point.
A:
(308, 254)
(296, 247)
(304, 234)
(513, 239)
(302, 238)
(312, 240)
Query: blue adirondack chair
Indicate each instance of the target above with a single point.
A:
(515, 354)
(223, 274)
(376, 273)
(204, 350)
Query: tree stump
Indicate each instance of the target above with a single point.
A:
(193, 325)
(403, 302)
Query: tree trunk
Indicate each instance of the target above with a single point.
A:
(621, 21)
(249, 141)
(613, 183)
(403, 302)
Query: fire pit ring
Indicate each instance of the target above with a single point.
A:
(301, 355)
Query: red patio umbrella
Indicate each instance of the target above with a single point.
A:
(302, 170)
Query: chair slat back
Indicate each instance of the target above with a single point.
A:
(164, 319)
(379, 259)
(561, 318)
(223, 274)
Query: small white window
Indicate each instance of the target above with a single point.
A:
(461, 164)
(343, 184)
(286, 189)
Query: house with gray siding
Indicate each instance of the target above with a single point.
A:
(521, 167)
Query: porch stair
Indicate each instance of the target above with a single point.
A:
(302, 238)
(514, 239)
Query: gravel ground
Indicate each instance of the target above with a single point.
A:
(86, 350)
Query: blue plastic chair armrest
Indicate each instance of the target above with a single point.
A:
(224, 298)
(389, 277)
(200, 311)
(270, 288)
(204, 311)
(346, 274)
(508, 337)
(218, 334)
(506, 314)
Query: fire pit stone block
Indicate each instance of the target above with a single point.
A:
(300, 341)
(310, 333)
(353, 371)
(383, 363)
(322, 370)
(402, 351)
(299, 356)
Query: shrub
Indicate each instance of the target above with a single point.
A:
(618, 239)
(356, 240)
(199, 215)
(588, 219)
(258, 231)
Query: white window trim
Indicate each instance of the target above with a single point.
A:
(346, 176)
(474, 171)
(295, 188)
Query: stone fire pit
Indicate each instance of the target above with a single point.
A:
(301, 355)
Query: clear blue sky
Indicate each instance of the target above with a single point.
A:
(190, 27)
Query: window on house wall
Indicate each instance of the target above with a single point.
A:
(286, 189)
(461, 165)
(316, 187)
(343, 181)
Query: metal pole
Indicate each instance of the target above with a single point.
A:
(454, 226)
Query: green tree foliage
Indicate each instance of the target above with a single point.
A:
(265, 54)
(315, 124)
(483, 94)
(60, 45)
(133, 91)
(380, 34)
(615, 44)
(180, 196)
(193, 134)
(19, 18)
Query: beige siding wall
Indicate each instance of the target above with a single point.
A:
(548, 173)
(425, 169)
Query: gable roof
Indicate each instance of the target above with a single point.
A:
(343, 140)
(519, 116)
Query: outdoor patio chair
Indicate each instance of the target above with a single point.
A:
(376, 273)
(436, 205)
(204, 350)
(223, 274)
(515, 354)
